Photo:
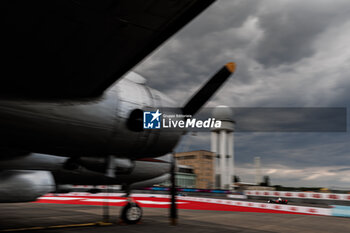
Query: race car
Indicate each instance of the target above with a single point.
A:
(278, 201)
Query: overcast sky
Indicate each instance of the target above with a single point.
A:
(289, 53)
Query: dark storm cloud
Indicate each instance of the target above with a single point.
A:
(252, 33)
(340, 170)
(295, 150)
(201, 48)
(290, 53)
(290, 28)
(222, 16)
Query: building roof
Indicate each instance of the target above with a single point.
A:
(194, 151)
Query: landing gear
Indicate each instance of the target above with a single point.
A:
(131, 213)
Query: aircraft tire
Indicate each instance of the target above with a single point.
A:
(131, 213)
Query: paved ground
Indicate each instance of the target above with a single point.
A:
(16, 216)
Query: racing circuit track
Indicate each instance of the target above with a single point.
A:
(192, 203)
(77, 212)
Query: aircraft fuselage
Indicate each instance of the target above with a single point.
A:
(91, 127)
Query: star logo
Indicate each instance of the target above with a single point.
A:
(156, 115)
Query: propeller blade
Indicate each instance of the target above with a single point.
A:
(173, 207)
(208, 90)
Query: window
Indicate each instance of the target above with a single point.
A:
(208, 157)
(186, 170)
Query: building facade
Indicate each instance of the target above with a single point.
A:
(202, 162)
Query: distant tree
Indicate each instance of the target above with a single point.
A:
(266, 181)
(278, 187)
(236, 179)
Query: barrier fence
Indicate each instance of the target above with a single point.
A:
(302, 195)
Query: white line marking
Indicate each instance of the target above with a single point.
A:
(104, 200)
(60, 198)
(158, 202)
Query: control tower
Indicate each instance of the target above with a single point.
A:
(222, 146)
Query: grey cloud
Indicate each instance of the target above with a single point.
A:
(290, 27)
(340, 169)
(300, 150)
(221, 16)
(289, 53)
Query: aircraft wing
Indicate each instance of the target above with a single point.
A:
(78, 48)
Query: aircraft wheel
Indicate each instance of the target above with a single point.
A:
(131, 213)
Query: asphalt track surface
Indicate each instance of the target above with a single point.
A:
(44, 217)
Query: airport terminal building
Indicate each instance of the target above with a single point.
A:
(202, 162)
